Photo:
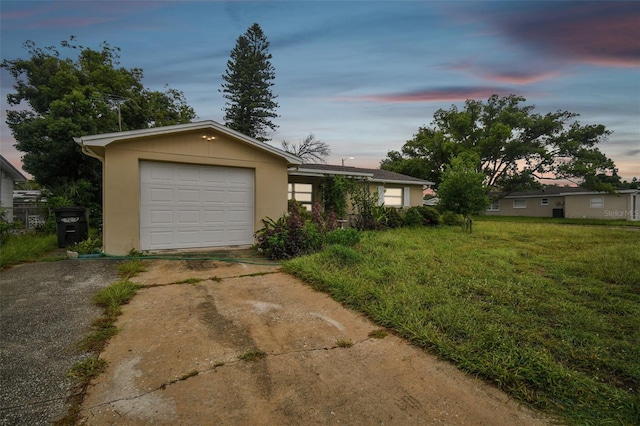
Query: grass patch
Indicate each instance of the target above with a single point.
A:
(550, 313)
(252, 355)
(131, 268)
(559, 221)
(113, 297)
(88, 369)
(378, 334)
(30, 247)
(343, 343)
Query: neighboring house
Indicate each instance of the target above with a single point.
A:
(29, 207)
(569, 202)
(202, 184)
(9, 175)
(392, 189)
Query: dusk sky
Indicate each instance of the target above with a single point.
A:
(363, 76)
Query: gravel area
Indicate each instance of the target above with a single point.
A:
(45, 310)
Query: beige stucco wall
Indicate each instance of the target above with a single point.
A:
(534, 207)
(121, 184)
(616, 206)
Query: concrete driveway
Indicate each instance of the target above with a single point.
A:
(251, 345)
(45, 310)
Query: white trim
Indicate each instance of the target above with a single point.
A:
(301, 171)
(406, 197)
(519, 199)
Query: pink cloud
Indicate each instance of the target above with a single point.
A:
(519, 77)
(435, 95)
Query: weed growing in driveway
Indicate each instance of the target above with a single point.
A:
(131, 268)
(113, 297)
(343, 343)
(550, 313)
(379, 334)
(252, 355)
(88, 369)
(190, 281)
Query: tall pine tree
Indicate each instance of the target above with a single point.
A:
(250, 105)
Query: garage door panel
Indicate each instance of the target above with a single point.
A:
(159, 238)
(213, 217)
(188, 195)
(160, 217)
(157, 195)
(189, 206)
(188, 217)
(211, 196)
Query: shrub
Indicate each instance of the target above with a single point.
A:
(344, 237)
(413, 217)
(451, 218)
(88, 246)
(393, 217)
(430, 215)
(289, 236)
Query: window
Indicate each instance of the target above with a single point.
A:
(544, 202)
(393, 197)
(520, 203)
(303, 193)
(597, 202)
(494, 206)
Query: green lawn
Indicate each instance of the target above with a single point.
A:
(550, 313)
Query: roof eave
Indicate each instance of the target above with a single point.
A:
(105, 139)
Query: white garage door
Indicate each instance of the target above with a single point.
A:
(189, 206)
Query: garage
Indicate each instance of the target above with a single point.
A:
(187, 186)
(192, 206)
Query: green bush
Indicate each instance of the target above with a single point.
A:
(412, 217)
(451, 218)
(345, 237)
(430, 215)
(88, 246)
(393, 217)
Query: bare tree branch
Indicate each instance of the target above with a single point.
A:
(309, 149)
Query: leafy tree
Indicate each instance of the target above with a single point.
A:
(310, 149)
(250, 105)
(462, 188)
(515, 147)
(80, 92)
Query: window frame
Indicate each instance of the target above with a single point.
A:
(494, 206)
(292, 191)
(544, 201)
(398, 197)
(517, 200)
(596, 202)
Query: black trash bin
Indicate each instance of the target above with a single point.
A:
(72, 224)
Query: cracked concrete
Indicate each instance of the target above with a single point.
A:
(176, 360)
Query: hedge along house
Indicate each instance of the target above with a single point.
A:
(195, 185)
(569, 202)
(392, 189)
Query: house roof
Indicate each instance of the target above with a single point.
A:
(102, 140)
(374, 175)
(559, 191)
(11, 171)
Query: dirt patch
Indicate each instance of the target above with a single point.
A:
(176, 360)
